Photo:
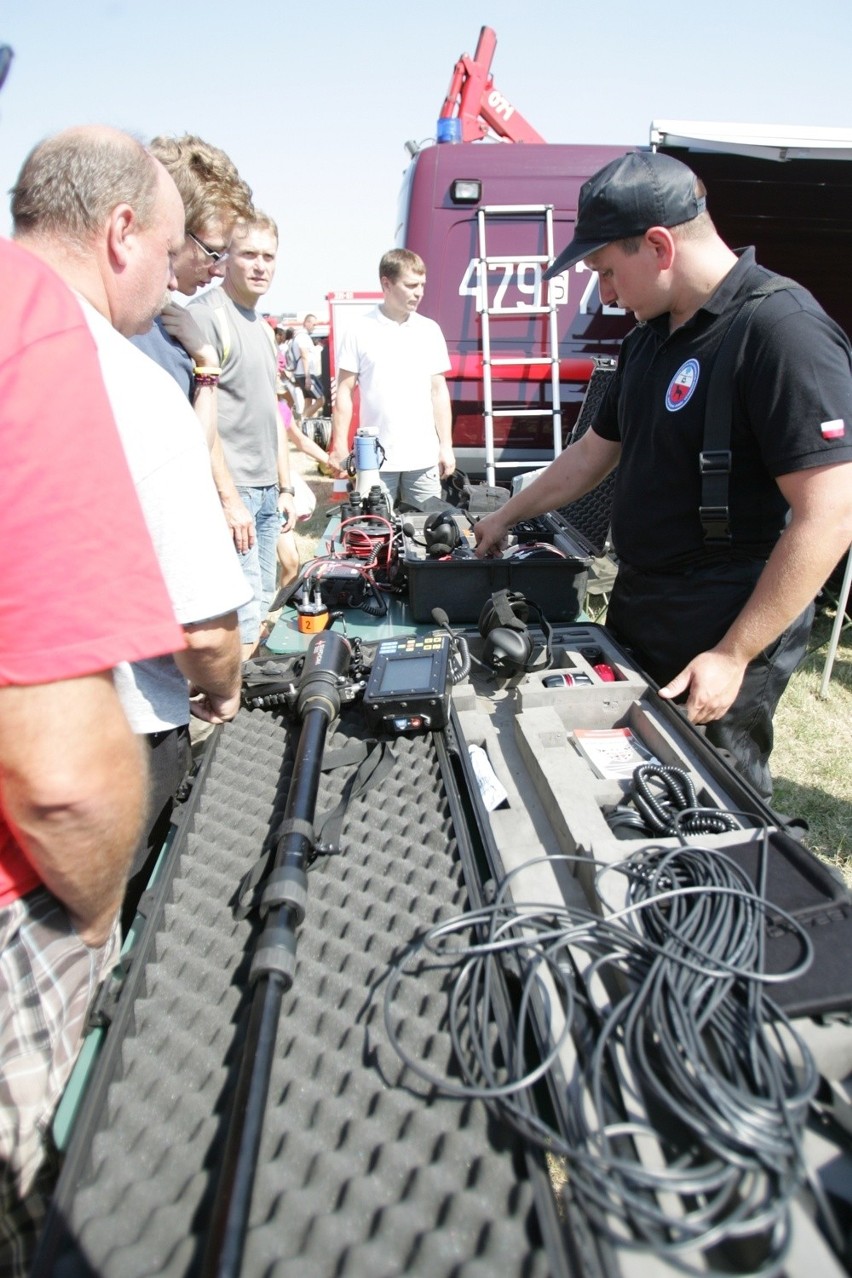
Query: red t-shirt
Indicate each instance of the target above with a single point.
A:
(80, 586)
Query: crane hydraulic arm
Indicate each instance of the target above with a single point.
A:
(473, 99)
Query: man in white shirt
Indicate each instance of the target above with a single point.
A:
(399, 360)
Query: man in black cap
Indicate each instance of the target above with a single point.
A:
(713, 601)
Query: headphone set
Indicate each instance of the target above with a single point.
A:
(507, 645)
(441, 536)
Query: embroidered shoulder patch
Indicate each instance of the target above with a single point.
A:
(682, 385)
(833, 430)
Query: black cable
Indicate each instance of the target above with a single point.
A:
(625, 823)
(377, 607)
(460, 660)
(665, 803)
(666, 1001)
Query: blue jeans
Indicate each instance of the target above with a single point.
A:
(259, 563)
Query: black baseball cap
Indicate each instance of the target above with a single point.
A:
(637, 191)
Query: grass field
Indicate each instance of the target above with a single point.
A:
(813, 748)
(813, 735)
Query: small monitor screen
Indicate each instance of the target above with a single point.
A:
(407, 673)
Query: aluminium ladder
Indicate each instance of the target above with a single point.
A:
(490, 363)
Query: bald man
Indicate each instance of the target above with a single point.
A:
(106, 215)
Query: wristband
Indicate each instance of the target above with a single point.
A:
(203, 370)
(291, 492)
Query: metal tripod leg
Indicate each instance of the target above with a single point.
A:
(839, 622)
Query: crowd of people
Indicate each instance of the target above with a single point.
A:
(146, 471)
(147, 493)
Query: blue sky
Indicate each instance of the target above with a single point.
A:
(314, 102)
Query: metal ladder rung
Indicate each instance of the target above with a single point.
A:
(521, 412)
(532, 361)
(495, 260)
(506, 313)
(512, 210)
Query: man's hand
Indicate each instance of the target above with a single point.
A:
(712, 680)
(212, 709)
(239, 521)
(211, 664)
(490, 534)
(446, 462)
(287, 506)
(337, 461)
(179, 324)
(341, 420)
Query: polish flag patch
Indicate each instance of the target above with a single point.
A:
(833, 430)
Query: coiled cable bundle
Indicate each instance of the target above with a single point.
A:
(664, 802)
(681, 1118)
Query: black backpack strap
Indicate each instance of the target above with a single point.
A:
(715, 457)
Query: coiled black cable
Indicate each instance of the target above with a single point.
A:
(679, 1048)
(460, 660)
(664, 799)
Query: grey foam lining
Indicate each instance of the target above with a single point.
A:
(361, 1171)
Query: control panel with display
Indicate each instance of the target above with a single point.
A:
(409, 685)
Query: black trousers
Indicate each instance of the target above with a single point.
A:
(169, 760)
(665, 620)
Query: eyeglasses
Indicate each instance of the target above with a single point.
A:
(215, 255)
(6, 56)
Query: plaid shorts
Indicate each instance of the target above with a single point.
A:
(48, 979)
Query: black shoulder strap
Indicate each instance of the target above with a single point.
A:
(375, 760)
(715, 456)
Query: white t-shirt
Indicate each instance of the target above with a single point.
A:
(395, 364)
(170, 465)
(307, 354)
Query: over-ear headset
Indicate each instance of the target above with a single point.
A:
(507, 643)
(441, 535)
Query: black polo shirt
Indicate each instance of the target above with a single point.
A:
(792, 410)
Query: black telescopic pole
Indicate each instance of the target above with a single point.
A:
(274, 961)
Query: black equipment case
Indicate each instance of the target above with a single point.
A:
(556, 582)
(363, 1168)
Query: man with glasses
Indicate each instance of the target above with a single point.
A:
(214, 198)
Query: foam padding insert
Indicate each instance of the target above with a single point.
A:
(362, 1171)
